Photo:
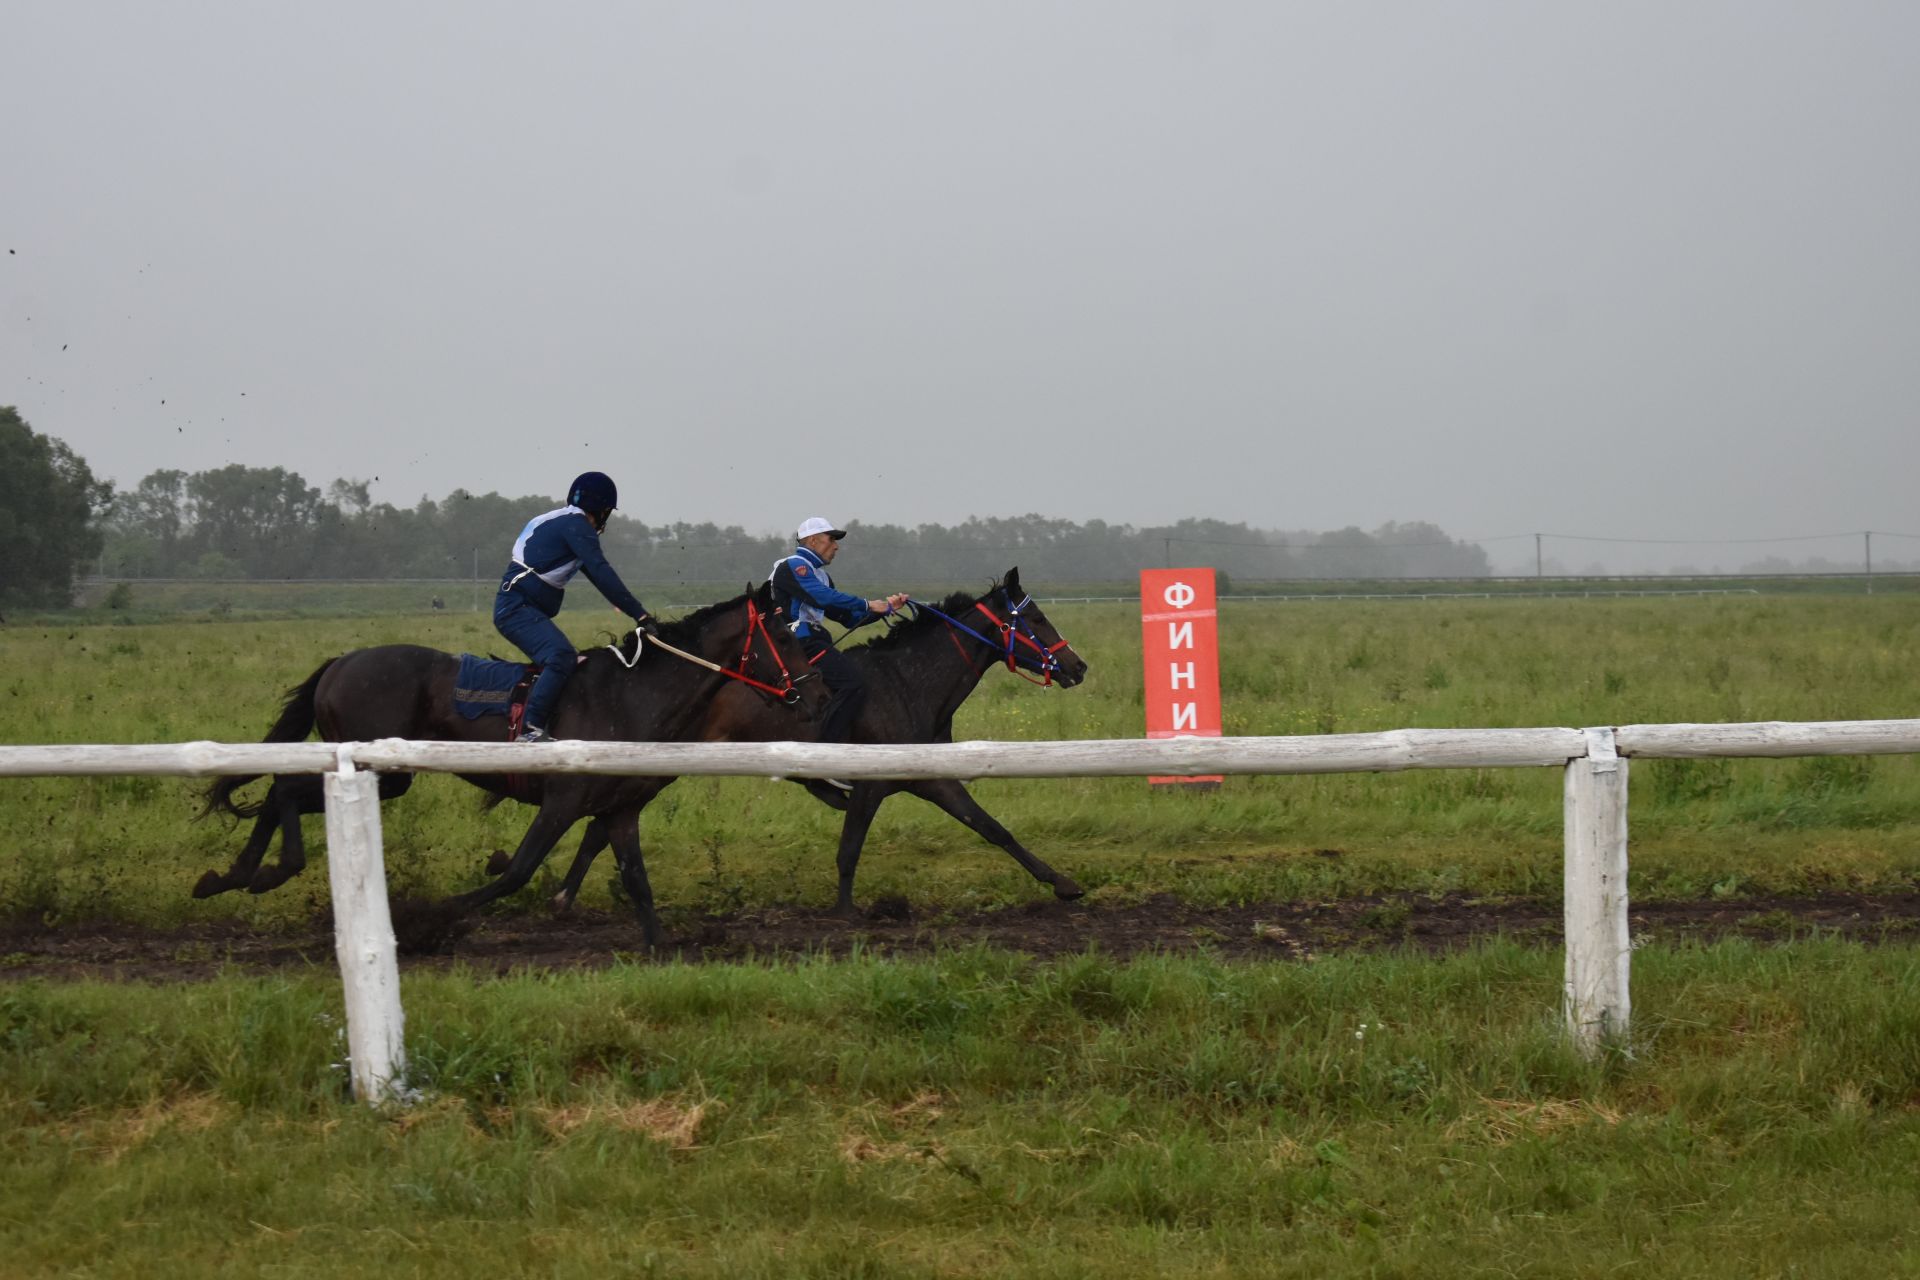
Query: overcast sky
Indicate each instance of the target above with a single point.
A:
(1648, 270)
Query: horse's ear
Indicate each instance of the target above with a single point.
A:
(1012, 580)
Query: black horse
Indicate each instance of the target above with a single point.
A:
(918, 674)
(406, 691)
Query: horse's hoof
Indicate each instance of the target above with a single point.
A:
(845, 911)
(562, 902)
(497, 865)
(1067, 889)
(209, 884)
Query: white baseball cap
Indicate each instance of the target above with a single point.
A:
(818, 524)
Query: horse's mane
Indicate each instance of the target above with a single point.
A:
(684, 633)
(954, 606)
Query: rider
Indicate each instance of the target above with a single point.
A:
(801, 584)
(546, 555)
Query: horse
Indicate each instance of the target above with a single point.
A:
(628, 693)
(918, 674)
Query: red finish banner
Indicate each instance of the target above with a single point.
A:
(1180, 646)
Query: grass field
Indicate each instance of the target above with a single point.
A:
(978, 1112)
(127, 846)
(981, 1115)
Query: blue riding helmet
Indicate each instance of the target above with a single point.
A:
(593, 491)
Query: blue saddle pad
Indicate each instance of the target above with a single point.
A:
(484, 686)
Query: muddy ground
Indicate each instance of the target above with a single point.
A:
(591, 939)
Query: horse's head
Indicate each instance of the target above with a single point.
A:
(747, 639)
(775, 651)
(1032, 642)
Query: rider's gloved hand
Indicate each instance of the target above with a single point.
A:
(646, 625)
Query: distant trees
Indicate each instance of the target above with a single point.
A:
(48, 503)
(270, 523)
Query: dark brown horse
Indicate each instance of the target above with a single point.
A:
(918, 674)
(406, 691)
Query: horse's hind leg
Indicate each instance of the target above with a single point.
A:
(956, 800)
(240, 874)
(296, 796)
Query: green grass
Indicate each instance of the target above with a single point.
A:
(975, 1114)
(127, 847)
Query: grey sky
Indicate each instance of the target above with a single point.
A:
(1648, 269)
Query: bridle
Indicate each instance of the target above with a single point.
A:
(1014, 630)
(787, 691)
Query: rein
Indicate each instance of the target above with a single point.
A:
(788, 690)
(1015, 631)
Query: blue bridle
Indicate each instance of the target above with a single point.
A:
(1015, 631)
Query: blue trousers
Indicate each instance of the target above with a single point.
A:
(540, 638)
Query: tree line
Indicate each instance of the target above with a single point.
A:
(270, 523)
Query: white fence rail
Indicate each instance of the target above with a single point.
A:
(1595, 995)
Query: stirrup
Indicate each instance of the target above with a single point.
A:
(534, 735)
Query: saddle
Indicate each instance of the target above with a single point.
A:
(495, 687)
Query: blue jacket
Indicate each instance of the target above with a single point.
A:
(550, 550)
(800, 583)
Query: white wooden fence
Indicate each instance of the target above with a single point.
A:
(1595, 998)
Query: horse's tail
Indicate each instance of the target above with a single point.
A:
(294, 724)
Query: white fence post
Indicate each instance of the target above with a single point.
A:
(363, 934)
(1599, 951)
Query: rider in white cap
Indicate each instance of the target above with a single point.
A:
(801, 583)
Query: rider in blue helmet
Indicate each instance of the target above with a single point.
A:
(549, 551)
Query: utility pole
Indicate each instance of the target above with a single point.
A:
(1538, 570)
(1166, 552)
(1868, 535)
(476, 579)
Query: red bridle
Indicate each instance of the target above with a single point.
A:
(788, 691)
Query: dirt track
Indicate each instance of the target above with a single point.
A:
(1277, 930)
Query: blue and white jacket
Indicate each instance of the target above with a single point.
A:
(800, 583)
(550, 550)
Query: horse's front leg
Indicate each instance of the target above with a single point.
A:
(595, 839)
(624, 830)
(545, 831)
(425, 927)
(957, 801)
(861, 806)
